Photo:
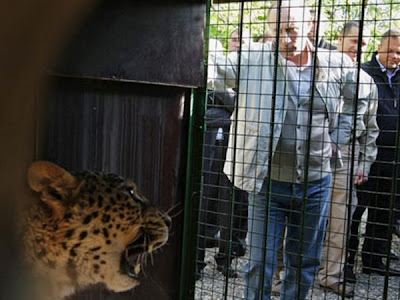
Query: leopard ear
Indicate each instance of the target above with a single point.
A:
(55, 184)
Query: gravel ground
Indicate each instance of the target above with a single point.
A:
(214, 285)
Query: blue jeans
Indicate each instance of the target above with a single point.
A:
(305, 219)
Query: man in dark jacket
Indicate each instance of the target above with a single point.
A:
(218, 192)
(377, 193)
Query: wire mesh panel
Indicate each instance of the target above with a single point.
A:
(299, 196)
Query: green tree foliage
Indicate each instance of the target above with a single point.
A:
(378, 16)
(225, 18)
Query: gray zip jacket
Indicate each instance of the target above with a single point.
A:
(259, 118)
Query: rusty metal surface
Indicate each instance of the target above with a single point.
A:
(137, 131)
(156, 42)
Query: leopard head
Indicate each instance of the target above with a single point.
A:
(88, 228)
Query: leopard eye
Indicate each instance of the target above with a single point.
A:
(135, 195)
(130, 190)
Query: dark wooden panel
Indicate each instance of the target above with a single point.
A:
(158, 42)
(138, 131)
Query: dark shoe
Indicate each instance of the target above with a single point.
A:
(349, 274)
(227, 271)
(238, 251)
(394, 255)
(380, 269)
(341, 289)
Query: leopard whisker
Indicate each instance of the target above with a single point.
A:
(152, 259)
(145, 261)
(176, 214)
(142, 264)
(172, 208)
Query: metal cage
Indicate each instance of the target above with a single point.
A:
(276, 118)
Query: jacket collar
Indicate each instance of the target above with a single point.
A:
(320, 73)
(374, 67)
(383, 68)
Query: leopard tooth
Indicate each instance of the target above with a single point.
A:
(137, 268)
(132, 273)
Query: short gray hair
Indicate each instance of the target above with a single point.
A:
(391, 33)
(347, 27)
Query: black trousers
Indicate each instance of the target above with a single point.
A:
(376, 196)
(223, 208)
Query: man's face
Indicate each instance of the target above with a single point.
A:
(389, 52)
(234, 44)
(349, 43)
(293, 32)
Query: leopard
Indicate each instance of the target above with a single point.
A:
(89, 228)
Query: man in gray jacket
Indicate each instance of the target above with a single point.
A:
(283, 133)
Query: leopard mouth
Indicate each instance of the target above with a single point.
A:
(132, 257)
